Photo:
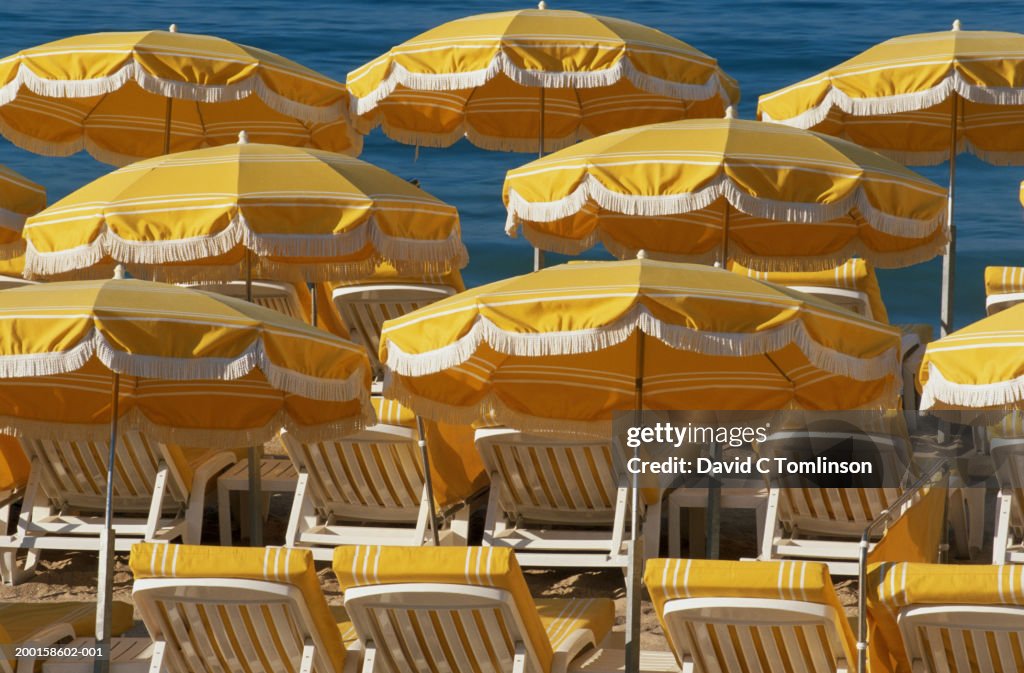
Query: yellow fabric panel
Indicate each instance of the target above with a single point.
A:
(913, 538)
(561, 617)
(669, 579)
(19, 198)
(1003, 280)
(456, 468)
(479, 77)
(488, 353)
(293, 567)
(14, 465)
(474, 566)
(796, 200)
(218, 88)
(892, 586)
(855, 274)
(977, 367)
(304, 214)
(289, 373)
(895, 97)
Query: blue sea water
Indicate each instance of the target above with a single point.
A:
(765, 45)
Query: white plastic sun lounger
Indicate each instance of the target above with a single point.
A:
(66, 494)
(280, 297)
(561, 502)
(1008, 541)
(368, 487)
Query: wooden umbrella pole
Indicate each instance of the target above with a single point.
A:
(312, 303)
(538, 254)
(636, 555)
(428, 481)
(105, 584)
(949, 259)
(255, 452)
(167, 126)
(725, 237)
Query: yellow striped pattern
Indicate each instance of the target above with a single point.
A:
(1003, 280)
(305, 214)
(783, 198)
(482, 76)
(107, 93)
(897, 97)
(19, 198)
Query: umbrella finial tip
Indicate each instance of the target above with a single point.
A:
(243, 137)
(730, 112)
(119, 272)
(641, 254)
(542, 5)
(956, 24)
(173, 28)
(717, 264)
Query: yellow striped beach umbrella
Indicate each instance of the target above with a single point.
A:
(708, 190)
(562, 349)
(244, 209)
(81, 359)
(980, 366)
(19, 198)
(129, 96)
(534, 80)
(921, 99)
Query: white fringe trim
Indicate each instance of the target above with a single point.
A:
(928, 249)
(674, 336)
(406, 254)
(133, 71)
(592, 191)
(186, 369)
(491, 409)
(136, 420)
(939, 391)
(905, 102)
(399, 75)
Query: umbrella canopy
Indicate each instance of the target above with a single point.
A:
(173, 351)
(19, 198)
(702, 190)
(128, 96)
(555, 350)
(978, 367)
(534, 80)
(921, 99)
(303, 214)
(906, 96)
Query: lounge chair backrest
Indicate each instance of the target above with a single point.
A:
(280, 297)
(722, 635)
(836, 510)
(851, 300)
(364, 308)
(376, 474)
(451, 626)
(1008, 459)
(74, 473)
(216, 609)
(552, 480)
(963, 638)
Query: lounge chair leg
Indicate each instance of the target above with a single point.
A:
(302, 507)
(460, 527)
(156, 664)
(519, 660)
(494, 522)
(619, 524)
(675, 534)
(306, 665)
(156, 505)
(369, 655)
(771, 525)
(224, 514)
(652, 531)
(1001, 541)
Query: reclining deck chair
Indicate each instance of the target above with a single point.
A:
(854, 286)
(14, 471)
(561, 502)
(1004, 287)
(49, 624)
(368, 487)
(211, 609)
(823, 523)
(427, 609)
(364, 305)
(1007, 455)
(159, 492)
(948, 618)
(279, 296)
(730, 616)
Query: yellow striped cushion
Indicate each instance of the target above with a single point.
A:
(562, 617)
(670, 579)
(1003, 279)
(392, 413)
(274, 564)
(474, 566)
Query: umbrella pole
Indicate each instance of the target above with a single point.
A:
(428, 481)
(725, 237)
(255, 452)
(635, 559)
(312, 303)
(105, 585)
(538, 254)
(167, 126)
(713, 516)
(949, 259)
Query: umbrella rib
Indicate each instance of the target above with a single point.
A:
(202, 122)
(94, 108)
(777, 368)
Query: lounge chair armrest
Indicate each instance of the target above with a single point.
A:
(49, 635)
(570, 648)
